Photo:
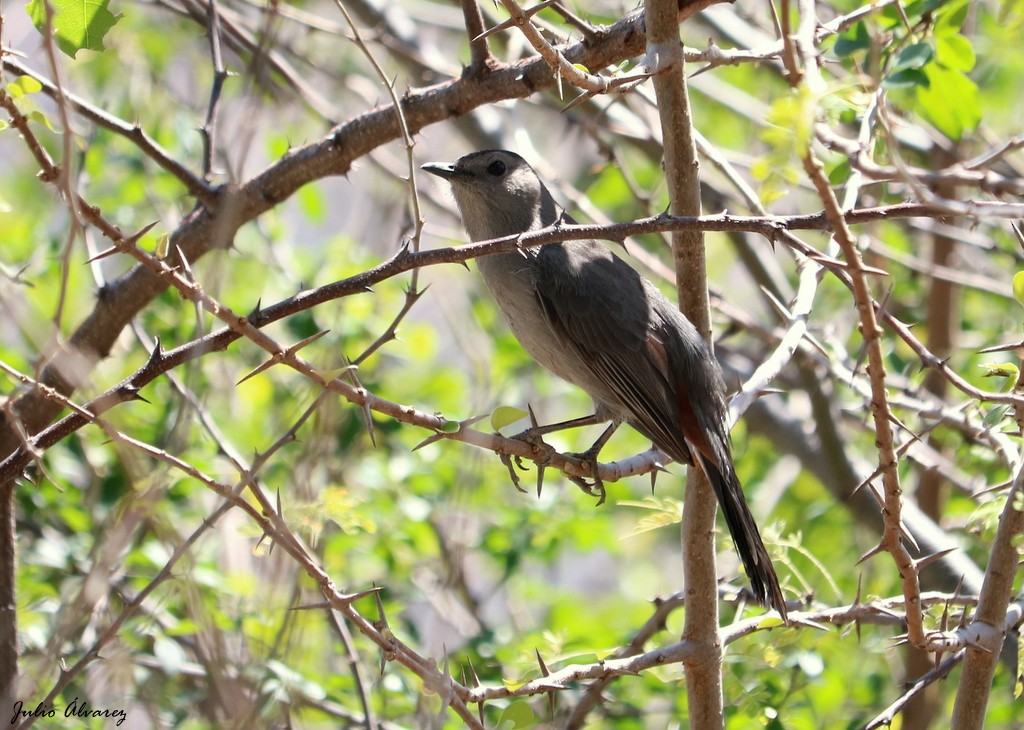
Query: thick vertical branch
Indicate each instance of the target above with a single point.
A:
(682, 172)
(980, 664)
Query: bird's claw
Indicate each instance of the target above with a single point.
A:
(542, 453)
(594, 489)
(507, 461)
(588, 459)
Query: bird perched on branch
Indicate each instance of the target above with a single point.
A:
(591, 319)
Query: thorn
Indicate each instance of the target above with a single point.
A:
(929, 559)
(1019, 234)
(184, 264)
(263, 537)
(472, 671)
(156, 355)
(308, 341)
(533, 416)
(440, 435)
(540, 478)
(375, 591)
(585, 96)
(382, 620)
(795, 621)
(702, 69)
(540, 661)
(1017, 347)
(142, 232)
(656, 469)
(867, 480)
(959, 586)
(131, 392)
(371, 430)
(104, 254)
(274, 360)
(432, 439)
(908, 536)
(312, 606)
(381, 624)
(870, 553)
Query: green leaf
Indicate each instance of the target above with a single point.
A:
(916, 55)
(1000, 370)
(513, 684)
(852, 40)
(908, 77)
(163, 244)
(38, 116)
(506, 415)
(77, 25)
(917, 8)
(450, 427)
(1018, 287)
(955, 52)
(949, 102)
(840, 173)
(518, 714)
(950, 19)
(22, 86)
(661, 513)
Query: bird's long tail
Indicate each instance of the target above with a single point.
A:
(757, 563)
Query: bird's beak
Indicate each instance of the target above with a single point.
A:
(444, 169)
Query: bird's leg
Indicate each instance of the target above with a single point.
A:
(507, 461)
(592, 453)
(589, 458)
(534, 432)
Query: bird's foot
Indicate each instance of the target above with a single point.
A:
(594, 488)
(542, 453)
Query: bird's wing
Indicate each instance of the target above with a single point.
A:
(599, 306)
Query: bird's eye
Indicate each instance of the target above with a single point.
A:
(496, 168)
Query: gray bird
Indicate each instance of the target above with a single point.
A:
(591, 319)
